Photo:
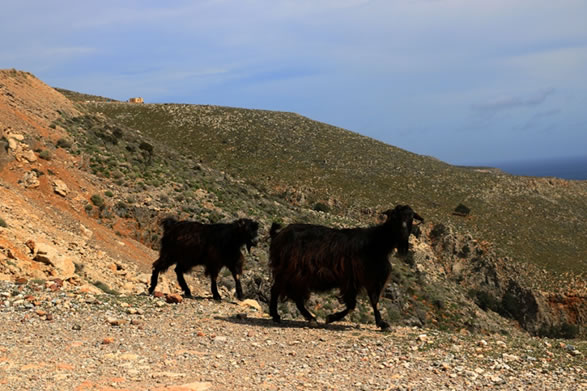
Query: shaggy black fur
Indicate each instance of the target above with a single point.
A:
(307, 258)
(189, 243)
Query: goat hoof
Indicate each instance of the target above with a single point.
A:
(384, 326)
(277, 319)
(330, 319)
(313, 322)
(217, 298)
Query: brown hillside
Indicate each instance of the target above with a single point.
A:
(30, 167)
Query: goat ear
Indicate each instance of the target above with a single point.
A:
(388, 213)
(418, 217)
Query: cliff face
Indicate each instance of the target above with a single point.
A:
(500, 285)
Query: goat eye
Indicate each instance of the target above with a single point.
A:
(405, 225)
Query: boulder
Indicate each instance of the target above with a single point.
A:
(12, 144)
(29, 156)
(60, 187)
(48, 255)
(173, 298)
(30, 180)
(252, 304)
(14, 136)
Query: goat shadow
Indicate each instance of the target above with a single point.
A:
(284, 324)
(192, 297)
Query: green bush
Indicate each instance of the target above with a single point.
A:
(44, 154)
(564, 330)
(121, 209)
(3, 223)
(321, 207)
(438, 231)
(97, 200)
(63, 143)
(485, 300)
(108, 193)
(462, 210)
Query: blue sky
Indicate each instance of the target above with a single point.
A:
(466, 81)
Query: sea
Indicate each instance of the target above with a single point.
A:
(565, 168)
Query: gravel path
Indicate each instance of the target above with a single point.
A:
(56, 340)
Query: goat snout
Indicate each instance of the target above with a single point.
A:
(252, 243)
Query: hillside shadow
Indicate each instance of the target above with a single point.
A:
(269, 323)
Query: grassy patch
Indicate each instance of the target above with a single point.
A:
(105, 288)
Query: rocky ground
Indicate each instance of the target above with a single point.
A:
(57, 339)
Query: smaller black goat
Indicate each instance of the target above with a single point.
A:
(188, 243)
(306, 258)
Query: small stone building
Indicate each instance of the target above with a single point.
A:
(136, 100)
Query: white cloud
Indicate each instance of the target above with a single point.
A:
(562, 65)
(509, 102)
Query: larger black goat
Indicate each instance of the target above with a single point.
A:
(307, 258)
(189, 243)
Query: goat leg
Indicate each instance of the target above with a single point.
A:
(374, 298)
(154, 280)
(302, 308)
(215, 294)
(337, 315)
(273, 304)
(351, 302)
(184, 286)
(238, 286)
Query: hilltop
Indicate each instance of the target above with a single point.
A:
(84, 182)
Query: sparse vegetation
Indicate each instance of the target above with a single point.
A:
(462, 210)
(63, 143)
(321, 207)
(323, 161)
(3, 223)
(97, 200)
(105, 288)
(45, 154)
(213, 164)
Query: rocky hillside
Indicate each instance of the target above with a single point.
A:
(45, 231)
(535, 221)
(83, 186)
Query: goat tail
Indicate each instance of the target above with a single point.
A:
(168, 222)
(275, 228)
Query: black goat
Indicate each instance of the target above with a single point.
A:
(307, 258)
(189, 243)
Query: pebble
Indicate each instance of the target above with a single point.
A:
(510, 357)
(107, 340)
